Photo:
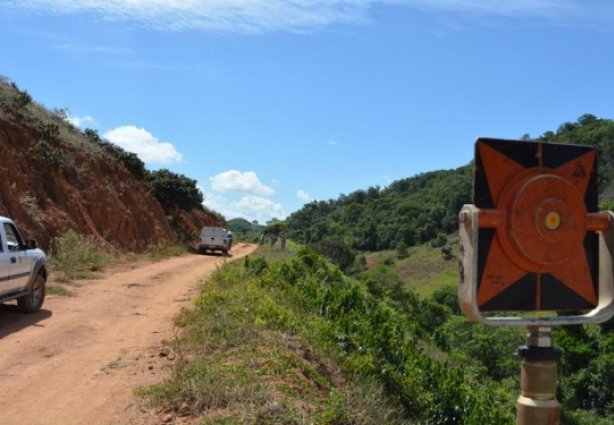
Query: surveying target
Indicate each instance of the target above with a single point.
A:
(538, 249)
(547, 220)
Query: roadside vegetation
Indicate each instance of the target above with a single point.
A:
(284, 337)
(160, 251)
(295, 341)
(75, 256)
(55, 289)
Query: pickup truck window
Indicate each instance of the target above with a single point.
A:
(13, 238)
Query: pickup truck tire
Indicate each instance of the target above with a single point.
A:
(33, 301)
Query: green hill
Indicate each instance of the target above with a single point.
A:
(424, 207)
(423, 268)
(248, 231)
(409, 211)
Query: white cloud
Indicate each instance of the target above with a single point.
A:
(303, 196)
(80, 122)
(236, 181)
(332, 142)
(261, 207)
(244, 16)
(144, 144)
(249, 207)
(256, 16)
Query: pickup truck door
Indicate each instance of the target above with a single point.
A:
(4, 268)
(20, 266)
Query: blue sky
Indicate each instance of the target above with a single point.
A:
(269, 104)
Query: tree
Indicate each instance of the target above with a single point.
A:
(336, 250)
(401, 249)
(174, 190)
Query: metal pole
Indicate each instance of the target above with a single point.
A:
(537, 404)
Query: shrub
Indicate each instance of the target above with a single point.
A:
(401, 250)
(336, 250)
(76, 256)
(494, 347)
(440, 240)
(446, 251)
(22, 99)
(52, 156)
(162, 250)
(49, 131)
(174, 190)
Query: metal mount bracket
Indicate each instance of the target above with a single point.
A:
(468, 286)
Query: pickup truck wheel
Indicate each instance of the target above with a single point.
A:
(33, 301)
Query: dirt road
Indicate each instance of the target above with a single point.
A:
(78, 360)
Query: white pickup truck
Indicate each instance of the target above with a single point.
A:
(215, 239)
(23, 269)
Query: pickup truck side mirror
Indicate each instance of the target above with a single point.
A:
(31, 244)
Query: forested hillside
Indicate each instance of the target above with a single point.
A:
(591, 131)
(425, 207)
(244, 230)
(409, 211)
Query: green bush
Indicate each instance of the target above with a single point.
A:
(336, 250)
(431, 391)
(75, 256)
(52, 156)
(491, 348)
(174, 190)
(163, 250)
(401, 250)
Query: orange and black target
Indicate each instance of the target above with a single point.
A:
(537, 240)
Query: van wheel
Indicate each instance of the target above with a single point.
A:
(33, 301)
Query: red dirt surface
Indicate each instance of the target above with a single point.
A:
(78, 360)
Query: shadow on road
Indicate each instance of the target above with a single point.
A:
(13, 320)
(215, 254)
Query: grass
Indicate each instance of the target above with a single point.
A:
(59, 290)
(424, 270)
(73, 256)
(276, 253)
(163, 250)
(245, 357)
(297, 342)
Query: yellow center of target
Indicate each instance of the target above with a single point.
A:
(553, 220)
